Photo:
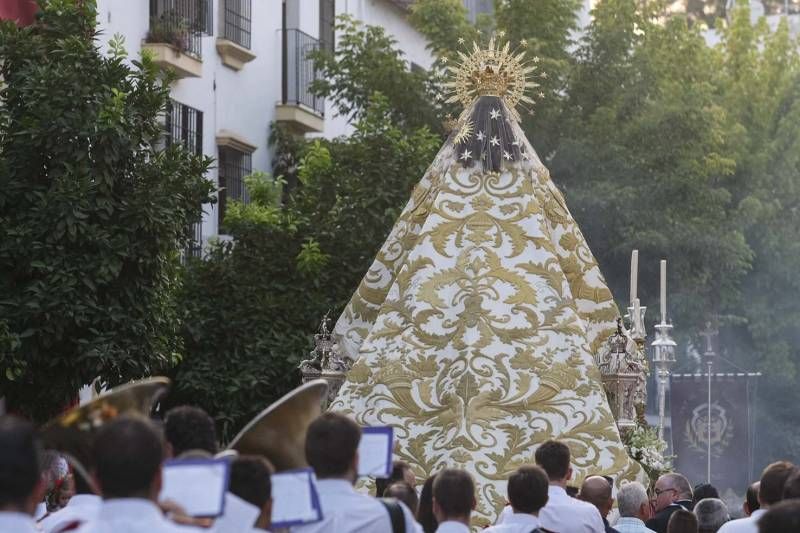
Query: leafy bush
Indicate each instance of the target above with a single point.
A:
(251, 307)
(91, 214)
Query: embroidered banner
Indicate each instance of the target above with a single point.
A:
(730, 429)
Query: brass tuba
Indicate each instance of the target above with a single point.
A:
(278, 433)
(72, 433)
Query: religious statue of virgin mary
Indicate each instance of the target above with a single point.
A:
(473, 332)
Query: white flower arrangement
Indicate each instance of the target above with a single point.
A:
(643, 445)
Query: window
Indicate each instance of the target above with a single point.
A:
(237, 21)
(233, 167)
(183, 125)
(327, 24)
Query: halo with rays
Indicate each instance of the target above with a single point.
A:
(496, 70)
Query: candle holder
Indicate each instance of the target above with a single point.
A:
(637, 330)
(663, 359)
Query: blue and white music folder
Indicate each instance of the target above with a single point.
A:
(375, 452)
(295, 500)
(197, 485)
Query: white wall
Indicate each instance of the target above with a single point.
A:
(244, 101)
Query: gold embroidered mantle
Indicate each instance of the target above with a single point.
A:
(474, 329)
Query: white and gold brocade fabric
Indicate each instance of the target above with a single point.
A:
(474, 330)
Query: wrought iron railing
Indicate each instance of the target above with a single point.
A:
(236, 21)
(181, 23)
(183, 125)
(233, 167)
(195, 246)
(298, 70)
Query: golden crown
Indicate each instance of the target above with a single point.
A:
(496, 71)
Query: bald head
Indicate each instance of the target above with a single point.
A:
(597, 491)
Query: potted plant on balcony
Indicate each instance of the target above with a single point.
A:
(169, 41)
(169, 28)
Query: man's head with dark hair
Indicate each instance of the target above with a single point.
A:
(682, 521)
(189, 428)
(783, 517)
(791, 489)
(332, 446)
(401, 471)
(554, 458)
(704, 490)
(751, 499)
(425, 515)
(405, 493)
(453, 496)
(250, 480)
(527, 489)
(597, 491)
(21, 484)
(772, 481)
(128, 454)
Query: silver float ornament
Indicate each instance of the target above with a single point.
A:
(325, 362)
(621, 372)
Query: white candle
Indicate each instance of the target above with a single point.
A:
(634, 273)
(663, 291)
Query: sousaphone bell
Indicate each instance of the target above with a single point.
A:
(278, 433)
(72, 433)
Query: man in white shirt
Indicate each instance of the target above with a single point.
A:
(634, 509)
(332, 451)
(527, 492)
(21, 483)
(770, 492)
(453, 500)
(128, 455)
(562, 512)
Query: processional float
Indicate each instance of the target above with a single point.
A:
(477, 330)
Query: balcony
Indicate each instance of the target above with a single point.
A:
(174, 39)
(301, 110)
(233, 46)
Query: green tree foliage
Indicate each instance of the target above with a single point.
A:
(443, 23)
(758, 76)
(644, 161)
(91, 215)
(253, 303)
(366, 61)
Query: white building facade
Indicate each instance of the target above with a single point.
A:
(242, 65)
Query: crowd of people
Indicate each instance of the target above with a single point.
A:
(118, 490)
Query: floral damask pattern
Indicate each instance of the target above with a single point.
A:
(473, 332)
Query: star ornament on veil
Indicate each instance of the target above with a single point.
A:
(497, 71)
